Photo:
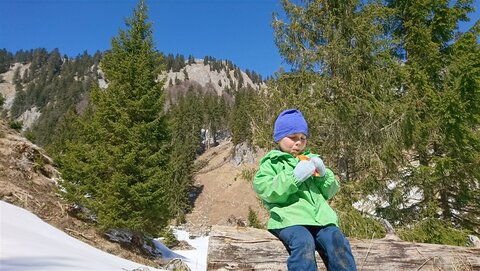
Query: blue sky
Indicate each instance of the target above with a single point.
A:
(237, 30)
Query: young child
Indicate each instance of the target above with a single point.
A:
(296, 192)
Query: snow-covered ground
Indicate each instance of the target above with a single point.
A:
(27, 243)
(196, 259)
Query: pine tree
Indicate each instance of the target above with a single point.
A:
(346, 83)
(169, 62)
(119, 167)
(345, 80)
(241, 115)
(459, 112)
(20, 102)
(6, 58)
(441, 125)
(373, 76)
(186, 117)
(191, 60)
(215, 116)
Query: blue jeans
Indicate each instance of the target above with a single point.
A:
(302, 242)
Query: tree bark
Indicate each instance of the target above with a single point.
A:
(240, 248)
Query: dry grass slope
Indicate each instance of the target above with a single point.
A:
(226, 195)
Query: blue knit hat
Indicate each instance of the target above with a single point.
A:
(290, 121)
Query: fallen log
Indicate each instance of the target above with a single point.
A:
(241, 248)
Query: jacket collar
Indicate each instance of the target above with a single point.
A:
(277, 153)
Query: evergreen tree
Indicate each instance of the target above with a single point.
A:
(178, 63)
(370, 77)
(457, 149)
(240, 79)
(169, 60)
(441, 124)
(67, 131)
(192, 115)
(185, 118)
(23, 56)
(20, 101)
(345, 80)
(191, 60)
(54, 64)
(215, 116)
(17, 79)
(241, 115)
(346, 83)
(39, 59)
(59, 86)
(6, 58)
(119, 167)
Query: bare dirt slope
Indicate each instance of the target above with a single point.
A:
(226, 192)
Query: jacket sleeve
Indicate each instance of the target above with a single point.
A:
(272, 186)
(328, 184)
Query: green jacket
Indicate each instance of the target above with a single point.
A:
(289, 201)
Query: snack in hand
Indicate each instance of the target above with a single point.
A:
(302, 157)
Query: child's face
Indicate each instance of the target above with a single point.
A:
(293, 144)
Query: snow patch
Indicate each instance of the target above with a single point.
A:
(196, 258)
(27, 243)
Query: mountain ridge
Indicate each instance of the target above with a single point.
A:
(204, 75)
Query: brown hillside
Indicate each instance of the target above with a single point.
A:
(225, 195)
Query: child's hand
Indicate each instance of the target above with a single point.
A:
(318, 163)
(303, 170)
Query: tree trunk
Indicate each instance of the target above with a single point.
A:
(239, 248)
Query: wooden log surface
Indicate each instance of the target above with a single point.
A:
(240, 248)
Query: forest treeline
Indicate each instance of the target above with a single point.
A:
(391, 91)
